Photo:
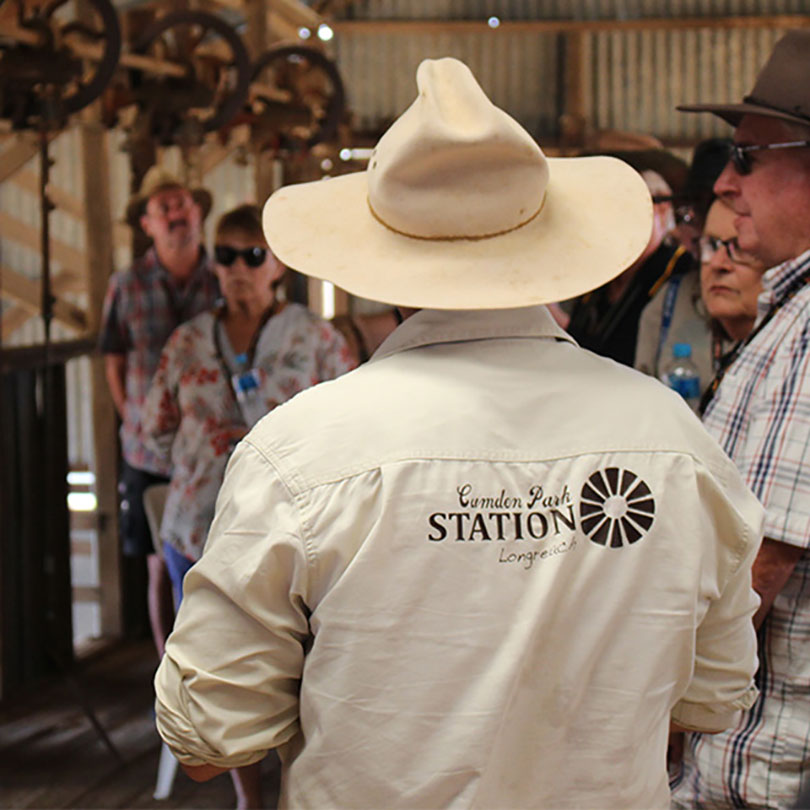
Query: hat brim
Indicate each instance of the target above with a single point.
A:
(733, 113)
(136, 207)
(595, 221)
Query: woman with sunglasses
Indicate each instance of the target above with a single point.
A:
(218, 375)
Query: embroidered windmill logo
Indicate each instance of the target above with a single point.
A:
(616, 508)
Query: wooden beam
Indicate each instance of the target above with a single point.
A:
(28, 180)
(256, 33)
(315, 295)
(212, 155)
(297, 13)
(14, 319)
(122, 235)
(95, 53)
(18, 231)
(27, 293)
(574, 116)
(17, 357)
(341, 301)
(98, 214)
(16, 156)
(566, 26)
(281, 28)
(87, 593)
(83, 548)
(68, 204)
(95, 156)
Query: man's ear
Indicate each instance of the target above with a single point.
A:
(144, 223)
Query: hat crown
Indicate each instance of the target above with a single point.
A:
(156, 179)
(784, 81)
(454, 165)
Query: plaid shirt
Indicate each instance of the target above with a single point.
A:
(761, 417)
(142, 308)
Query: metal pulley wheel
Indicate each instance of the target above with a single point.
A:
(213, 86)
(54, 65)
(297, 90)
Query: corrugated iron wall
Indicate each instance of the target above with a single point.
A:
(562, 9)
(637, 78)
(518, 70)
(634, 81)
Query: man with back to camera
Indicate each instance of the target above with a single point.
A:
(486, 568)
(171, 283)
(759, 411)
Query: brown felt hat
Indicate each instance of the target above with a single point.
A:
(782, 89)
(157, 179)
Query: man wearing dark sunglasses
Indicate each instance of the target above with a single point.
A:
(758, 408)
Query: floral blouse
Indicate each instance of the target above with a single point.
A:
(192, 417)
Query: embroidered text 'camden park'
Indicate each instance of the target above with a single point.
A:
(616, 508)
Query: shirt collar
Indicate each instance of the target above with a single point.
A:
(430, 326)
(202, 267)
(779, 278)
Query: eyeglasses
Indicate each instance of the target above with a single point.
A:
(252, 256)
(709, 245)
(739, 155)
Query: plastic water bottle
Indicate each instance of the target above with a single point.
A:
(681, 374)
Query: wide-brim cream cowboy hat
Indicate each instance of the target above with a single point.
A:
(460, 209)
(158, 179)
(782, 88)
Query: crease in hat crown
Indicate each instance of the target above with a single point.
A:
(781, 90)
(156, 179)
(782, 85)
(455, 166)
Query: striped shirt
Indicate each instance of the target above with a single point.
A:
(142, 308)
(761, 417)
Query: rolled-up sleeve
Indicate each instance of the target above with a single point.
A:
(726, 661)
(227, 687)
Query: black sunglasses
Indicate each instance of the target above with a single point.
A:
(252, 256)
(739, 155)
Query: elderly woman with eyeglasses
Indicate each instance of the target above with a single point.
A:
(730, 278)
(711, 310)
(218, 375)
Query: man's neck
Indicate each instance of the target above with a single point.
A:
(180, 262)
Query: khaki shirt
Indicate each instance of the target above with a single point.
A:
(482, 570)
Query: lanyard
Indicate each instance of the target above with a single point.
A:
(634, 291)
(250, 355)
(726, 362)
(666, 315)
(717, 347)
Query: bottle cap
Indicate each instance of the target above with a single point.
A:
(680, 350)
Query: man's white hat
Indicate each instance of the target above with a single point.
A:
(460, 209)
